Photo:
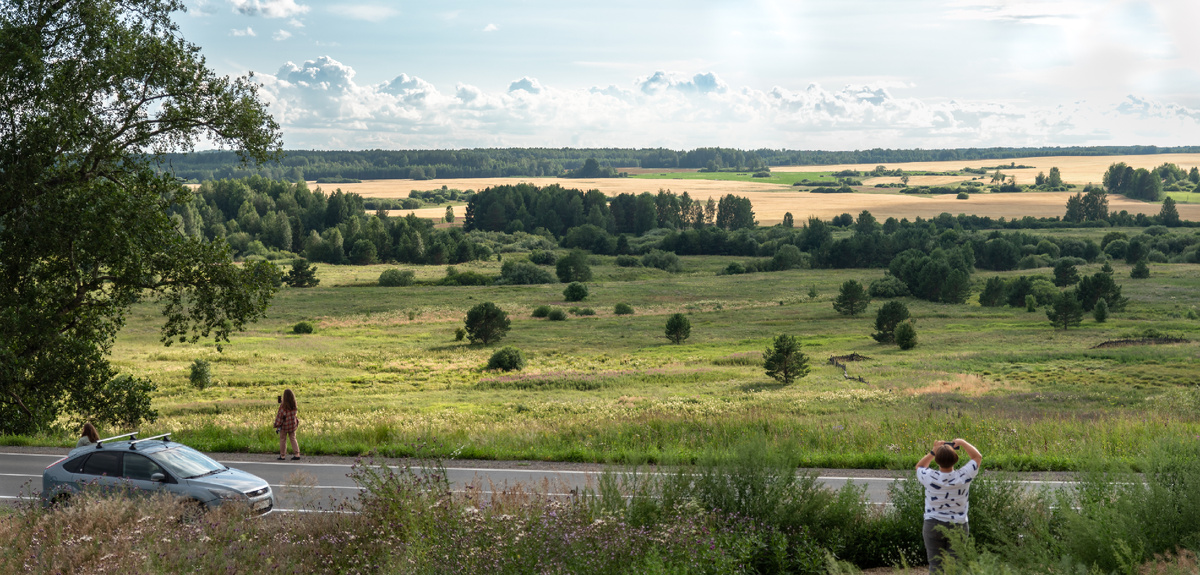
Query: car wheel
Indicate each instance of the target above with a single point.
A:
(193, 510)
(60, 500)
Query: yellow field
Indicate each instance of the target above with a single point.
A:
(610, 186)
(1074, 169)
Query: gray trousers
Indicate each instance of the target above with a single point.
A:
(936, 543)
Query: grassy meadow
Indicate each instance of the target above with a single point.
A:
(382, 371)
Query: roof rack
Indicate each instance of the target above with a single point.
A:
(133, 444)
(131, 435)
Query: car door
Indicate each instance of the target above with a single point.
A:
(102, 469)
(137, 470)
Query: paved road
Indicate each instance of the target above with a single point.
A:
(321, 483)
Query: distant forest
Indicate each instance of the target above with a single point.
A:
(535, 162)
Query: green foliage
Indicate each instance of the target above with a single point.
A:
(468, 278)
(1065, 312)
(543, 257)
(397, 278)
(678, 328)
(627, 261)
(812, 292)
(557, 315)
(890, 315)
(302, 327)
(201, 374)
(541, 311)
(622, 309)
(906, 335)
(574, 267)
(1100, 312)
(302, 275)
(734, 268)
(459, 334)
(666, 261)
(575, 291)
(1169, 214)
(582, 311)
(1031, 303)
(449, 217)
(963, 196)
(1100, 285)
(507, 358)
(93, 95)
(486, 323)
(784, 361)
(852, 299)
(1065, 273)
(1140, 270)
(887, 287)
(517, 272)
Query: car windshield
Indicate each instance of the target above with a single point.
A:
(186, 462)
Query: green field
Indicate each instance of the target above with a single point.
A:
(1184, 197)
(782, 178)
(383, 372)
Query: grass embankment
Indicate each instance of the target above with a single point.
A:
(383, 371)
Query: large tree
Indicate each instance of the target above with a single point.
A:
(92, 92)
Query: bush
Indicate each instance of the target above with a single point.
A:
(303, 327)
(468, 278)
(301, 275)
(523, 273)
(906, 335)
(397, 278)
(201, 376)
(678, 328)
(575, 292)
(574, 267)
(543, 257)
(1100, 312)
(486, 323)
(506, 359)
(1140, 270)
(623, 309)
(888, 287)
(629, 261)
(541, 311)
(784, 361)
(963, 196)
(735, 268)
(459, 334)
(556, 315)
(1031, 303)
(666, 261)
(887, 319)
(582, 311)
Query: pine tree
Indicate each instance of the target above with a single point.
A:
(887, 318)
(1140, 270)
(1065, 312)
(302, 275)
(784, 361)
(906, 335)
(852, 299)
(1100, 312)
(1169, 215)
(678, 328)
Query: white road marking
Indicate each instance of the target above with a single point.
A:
(18, 475)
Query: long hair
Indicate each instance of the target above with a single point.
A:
(289, 400)
(90, 432)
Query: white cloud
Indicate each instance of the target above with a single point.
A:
(490, 28)
(320, 105)
(238, 32)
(281, 35)
(269, 8)
(295, 23)
(367, 12)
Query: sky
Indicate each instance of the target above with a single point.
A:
(796, 74)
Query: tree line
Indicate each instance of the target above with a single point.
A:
(539, 162)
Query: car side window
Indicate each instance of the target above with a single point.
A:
(140, 467)
(103, 463)
(75, 465)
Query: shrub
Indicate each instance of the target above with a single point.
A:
(784, 361)
(506, 359)
(623, 309)
(678, 328)
(1100, 312)
(666, 261)
(523, 273)
(963, 196)
(543, 257)
(574, 267)
(459, 334)
(575, 292)
(582, 311)
(788, 257)
(629, 261)
(303, 327)
(397, 278)
(1140, 270)
(1065, 311)
(301, 275)
(887, 318)
(735, 268)
(852, 299)
(201, 376)
(541, 311)
(1031, 302)
(906, 335)
(556, 315)
(486, 323)
(888, 287)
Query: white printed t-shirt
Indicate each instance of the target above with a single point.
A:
(946, 493)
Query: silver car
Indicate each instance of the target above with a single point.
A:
(153, 465)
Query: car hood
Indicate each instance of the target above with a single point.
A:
(231, 478)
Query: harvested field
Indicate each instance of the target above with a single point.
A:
(610, 186)
(1075, 169)
(919, 180)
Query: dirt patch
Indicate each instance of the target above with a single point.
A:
(1139, 341)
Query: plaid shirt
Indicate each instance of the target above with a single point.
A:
(286, 421)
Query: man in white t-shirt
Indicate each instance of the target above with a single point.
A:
(946, 495)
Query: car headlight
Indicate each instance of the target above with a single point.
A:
(226, 495)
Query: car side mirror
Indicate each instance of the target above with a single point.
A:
(158, 477)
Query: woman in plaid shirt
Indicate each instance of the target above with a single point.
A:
(286, 424)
